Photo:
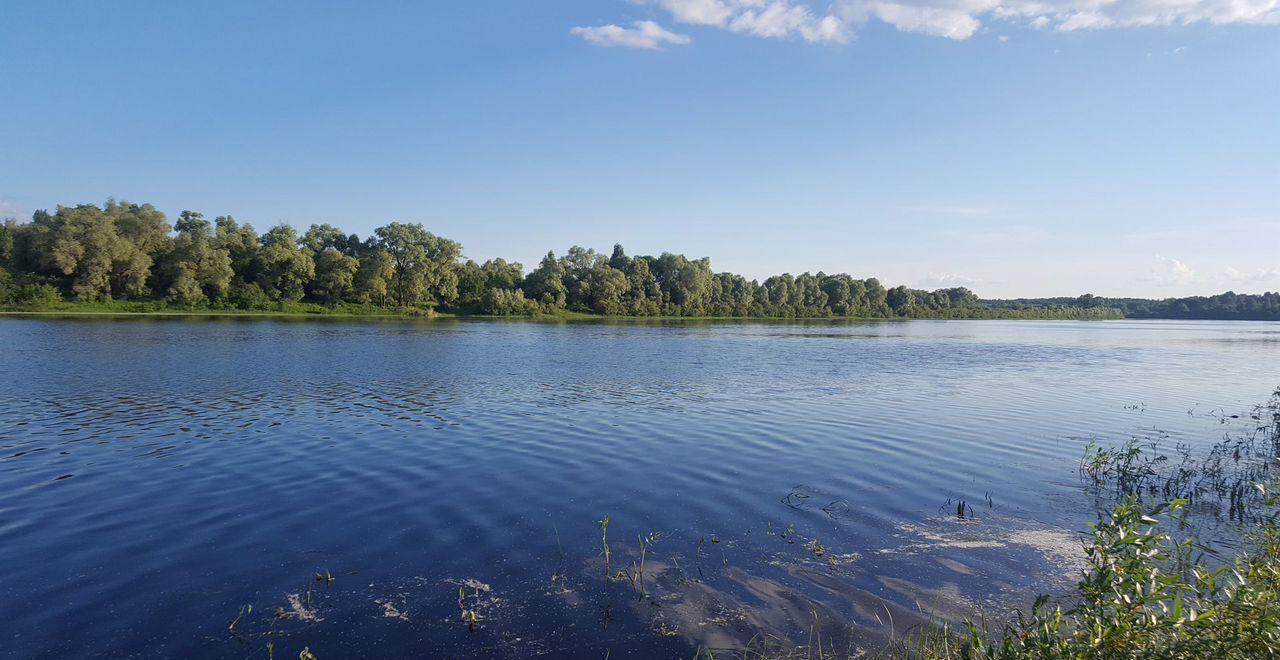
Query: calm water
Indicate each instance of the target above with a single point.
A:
(158, 475)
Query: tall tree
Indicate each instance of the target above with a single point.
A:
(194, 270)
(335, 275)
(425, 265)
(545, 285)
(242, 243)
(373, 279)
(286, 267)
(320, 237)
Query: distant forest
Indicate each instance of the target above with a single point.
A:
(128, 257)
(1229, 306)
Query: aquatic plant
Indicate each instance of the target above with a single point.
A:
(470, 618)
(244, 610)
(1134, 601)
(646, 542)
(1220, 477)
(603, 524)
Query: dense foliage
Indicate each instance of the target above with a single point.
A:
(1224, 306)
(102, 255)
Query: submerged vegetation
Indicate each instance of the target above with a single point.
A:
(1145, 594)
(1152, 588)
(122, 257)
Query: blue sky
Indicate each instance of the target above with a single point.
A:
(1016, 147)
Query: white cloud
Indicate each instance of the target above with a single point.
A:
(643, 34)
(1172, 271)
(950, 280)
(762, 18)
(1256, 275)
(837, 20)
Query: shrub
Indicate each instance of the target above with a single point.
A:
(249, 296)
(37, 296)
(507, 302)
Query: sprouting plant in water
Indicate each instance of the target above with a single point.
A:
(325, 577)
(469, 616)
(271, 650)
(244, 610)
(646, 541)
(603, 523)
(665, 631)
(816, 630)
(306, 654)
(816, 548)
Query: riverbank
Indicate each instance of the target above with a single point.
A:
(311, 310)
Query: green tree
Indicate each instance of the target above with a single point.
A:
(686, 285)
(373, 279)
(9, 230)
(83, 244)
(606, 288)
(321, 237)
(242, 243)
(900, 300)
(195, 271)
(472, 284)
(425, 265)
(335, 275)
(192, 223)
(545, 285)
(286, 268)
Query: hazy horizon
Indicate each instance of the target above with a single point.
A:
(1018, 149)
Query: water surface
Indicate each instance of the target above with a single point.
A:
(157, 475)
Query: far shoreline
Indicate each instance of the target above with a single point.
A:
(541, 318)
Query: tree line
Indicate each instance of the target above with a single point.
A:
(130, 252)
(1229, 306)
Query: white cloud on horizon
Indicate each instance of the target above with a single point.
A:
(839, 20)
(947, 280)
(1256, 275)
(1170, 271)
(644, 34)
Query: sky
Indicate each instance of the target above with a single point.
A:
(1017, 147)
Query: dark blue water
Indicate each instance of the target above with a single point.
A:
(157, 476)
